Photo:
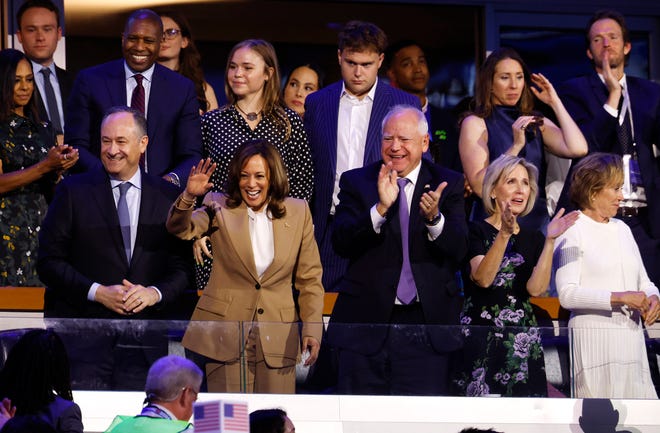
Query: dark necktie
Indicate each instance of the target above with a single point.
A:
(137, 103)
(137, 100)
(623, 132)
(51, 100)
(405, 290)
(124, 218)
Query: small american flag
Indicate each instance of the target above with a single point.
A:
(235, 418)
(221, 417)
(207, 417)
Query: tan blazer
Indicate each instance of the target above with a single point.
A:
(235, 296)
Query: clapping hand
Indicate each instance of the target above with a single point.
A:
(560, 224)
(198, 181)
(428, 204)
(508, 218)
(388, 189)
(61, 157)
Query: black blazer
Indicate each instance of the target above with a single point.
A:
(584, 98)
(368, 291)
(80, 243)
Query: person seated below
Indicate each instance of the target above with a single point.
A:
(172, 386)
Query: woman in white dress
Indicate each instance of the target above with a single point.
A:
(601, 279)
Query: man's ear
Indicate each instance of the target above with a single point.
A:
(392, 78)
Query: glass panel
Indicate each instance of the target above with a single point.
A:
(483, 361)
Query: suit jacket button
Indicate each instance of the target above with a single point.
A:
(257, 286)
(260, 311)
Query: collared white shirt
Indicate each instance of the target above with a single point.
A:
(39, 80)
(261, 237)
(352, 127)
(377, 220)
(614, 112)
(131, 84)
(133, 200)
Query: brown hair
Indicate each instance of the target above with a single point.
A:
(272, 105)
(604, 14)
(362, 36)
(278, 185)
(190, 61)
(483, 96)
(592, 174)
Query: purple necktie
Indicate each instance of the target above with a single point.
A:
(405, 290)
(137, 100)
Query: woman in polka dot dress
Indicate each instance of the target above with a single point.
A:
(254, 111)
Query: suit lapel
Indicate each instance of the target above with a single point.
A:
(283, 241)
(378, 110)
(331, 108)
(238, 230)
(146, 214)
(105, 202)
(116, 83)
(156, 99)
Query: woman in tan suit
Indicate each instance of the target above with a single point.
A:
(264, 242)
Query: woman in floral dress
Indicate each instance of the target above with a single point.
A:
(30, 164)
(503, 353)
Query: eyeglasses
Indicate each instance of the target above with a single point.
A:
(170, 34)
(195, 393)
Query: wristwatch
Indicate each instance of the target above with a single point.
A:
(434, 220)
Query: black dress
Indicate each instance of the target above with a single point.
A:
(502, 353)
(23, 142)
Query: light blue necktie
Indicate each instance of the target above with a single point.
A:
(124, 218)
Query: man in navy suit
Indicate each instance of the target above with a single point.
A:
(39, 31)
(389, 342)
(169, 103)
(343, 122)
(93, 268)
(621, 114)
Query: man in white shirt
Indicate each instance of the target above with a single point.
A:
(620, 114)
(39, 31)
(343, 122)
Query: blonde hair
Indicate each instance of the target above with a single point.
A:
(500, 169)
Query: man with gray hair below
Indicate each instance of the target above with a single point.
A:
(172, 386)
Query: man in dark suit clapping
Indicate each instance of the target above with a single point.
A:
(401, 224)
